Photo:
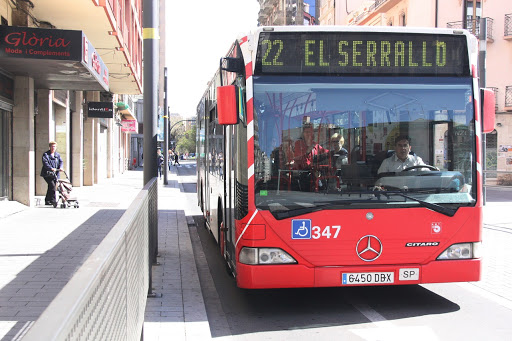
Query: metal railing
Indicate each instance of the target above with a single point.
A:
(508, 96)
(106, 298)
(508, 25)
(376, 4)
(470, 23)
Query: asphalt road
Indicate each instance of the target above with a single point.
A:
(462, 311)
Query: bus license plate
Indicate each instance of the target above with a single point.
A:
(362, 278)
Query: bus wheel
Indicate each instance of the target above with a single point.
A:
(221, 229)
(221, 238)
(201, 202)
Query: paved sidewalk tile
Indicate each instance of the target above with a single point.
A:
(497, 237)
(178, 311)
(42, 247)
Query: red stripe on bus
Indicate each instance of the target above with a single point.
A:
(248, 70)
(250, 112)
(250, 182)
(250, 153)
(477, 140)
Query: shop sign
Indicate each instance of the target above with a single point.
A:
(93, 62)
(54, 45)
(129, 126)
(39, 43)
(100, 109)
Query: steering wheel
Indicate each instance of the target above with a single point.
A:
(420, 166)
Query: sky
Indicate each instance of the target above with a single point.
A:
(311, 6)
(198, 34)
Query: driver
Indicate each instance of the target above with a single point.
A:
(401, 159)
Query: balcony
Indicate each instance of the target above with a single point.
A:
(508, 98)
(376, 5)
(508, 27)
(470, 23)
(369, 9)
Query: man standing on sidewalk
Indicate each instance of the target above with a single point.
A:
(52, 164)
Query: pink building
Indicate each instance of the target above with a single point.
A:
(451, 14)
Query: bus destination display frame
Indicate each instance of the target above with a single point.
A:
(358, 53)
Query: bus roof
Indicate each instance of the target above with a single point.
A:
(383, 29)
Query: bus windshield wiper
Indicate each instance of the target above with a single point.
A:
(319, 205)
(450, 212)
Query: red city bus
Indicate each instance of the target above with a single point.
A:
(293, 132)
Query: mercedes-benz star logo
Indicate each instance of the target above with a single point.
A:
(369, 248)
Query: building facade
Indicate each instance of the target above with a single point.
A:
(495, 73)
(281, 12)
(58, 60)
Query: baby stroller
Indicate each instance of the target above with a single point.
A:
(64, 188)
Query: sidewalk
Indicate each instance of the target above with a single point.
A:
(178, 312)
(496, 241)
(42, 247)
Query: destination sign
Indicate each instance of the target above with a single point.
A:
(362, 53)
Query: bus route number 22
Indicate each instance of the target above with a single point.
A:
(273, 47)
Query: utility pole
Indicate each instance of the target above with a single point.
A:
(166, 130)
(150, 85)
(482, 55)
(151, 36)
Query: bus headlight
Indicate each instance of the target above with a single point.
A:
(461, 251)
(265, 255)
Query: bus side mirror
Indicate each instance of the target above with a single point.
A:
(226, 105)
(232, 64)
(488, 110)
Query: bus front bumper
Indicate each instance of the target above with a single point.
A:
(301, 276)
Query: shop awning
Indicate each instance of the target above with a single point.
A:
(56, 59)
(125, 110)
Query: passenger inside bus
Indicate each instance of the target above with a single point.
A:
(306, 150)
(401, 158)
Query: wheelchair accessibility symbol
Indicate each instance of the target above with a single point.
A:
(301, 229)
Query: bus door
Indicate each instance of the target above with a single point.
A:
(208, 167)
(229, 192)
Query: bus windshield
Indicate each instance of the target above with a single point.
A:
(320, 142)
